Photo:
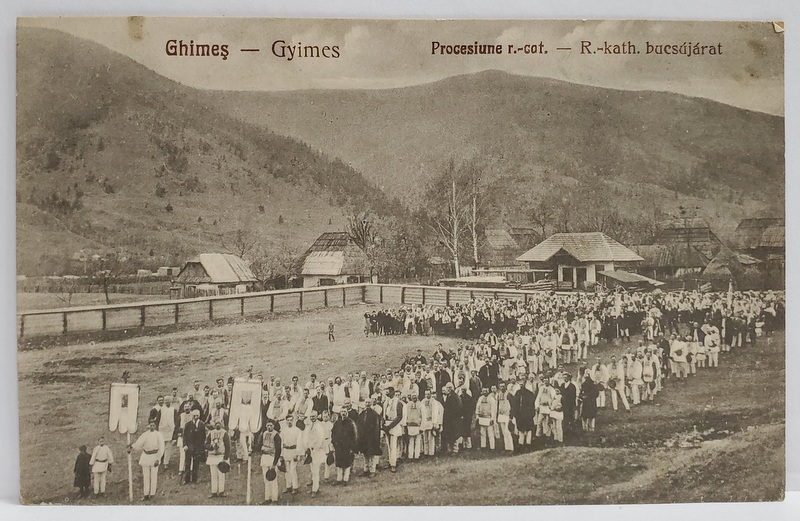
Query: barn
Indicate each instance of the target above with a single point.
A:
(576, 258)
(334, 259)
(214, 274)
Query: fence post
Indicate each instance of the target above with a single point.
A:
(103, 316)
(423, 295)
(272, 303)
(241, 305)
(141, 316)
(525, 298)
(210, 310)
(344, 296)
(471, 295)
(446, 297)
(301, 301)
(21, 326)
(363, 294)
(325, 297)
(64, 321)
(402, 294)
(176, 312)
(381, 295)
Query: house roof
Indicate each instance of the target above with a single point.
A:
(499, 239)
(769, 232)
(670, 255)
(218, 268)
(683, 222)
(585, 247)
(334, 253)
(331, 241)
(728, 263)
(627, 277)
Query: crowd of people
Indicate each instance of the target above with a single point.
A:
(506, 387)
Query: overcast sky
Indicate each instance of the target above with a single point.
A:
(381, 54)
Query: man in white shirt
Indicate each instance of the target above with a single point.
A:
(486, 411)
(101, 461)
(315, 440)
(599, 374)
(151, 443)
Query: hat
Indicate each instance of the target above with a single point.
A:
(282, 465)
(330, 459)
(307, 461)
(271, 474)
(224, 466)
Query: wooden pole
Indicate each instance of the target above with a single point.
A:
(130, 471)
(249, 461)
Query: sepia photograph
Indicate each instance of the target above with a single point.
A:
(312, 262)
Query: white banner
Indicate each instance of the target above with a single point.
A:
(123, 408)
(245, 413)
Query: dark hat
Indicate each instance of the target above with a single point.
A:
(230, 379)
(271, 474)
(330, 459)
(307, 461)
(282, 465)
(224, 466)
(300, 424)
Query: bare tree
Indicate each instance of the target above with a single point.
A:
(542, 216)
(66, 289)
(241, 244)
(472, 172)
(268, 264)
(449, 212)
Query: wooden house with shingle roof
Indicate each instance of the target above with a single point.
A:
(214, 274)
(334, 259)
(576, 258)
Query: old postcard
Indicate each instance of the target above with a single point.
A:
(373, 262)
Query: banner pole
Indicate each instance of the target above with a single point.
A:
(130, 471)
(249, 460)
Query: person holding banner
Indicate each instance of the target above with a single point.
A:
(151, 443)
(218, 445)
(101, 462)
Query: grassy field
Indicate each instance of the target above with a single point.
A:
(40, 301)
(63, 404)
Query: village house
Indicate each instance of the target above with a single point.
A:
(334, 259)
(575, 259)
(211, 274)
(669, 261)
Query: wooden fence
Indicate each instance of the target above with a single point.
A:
(90, 319)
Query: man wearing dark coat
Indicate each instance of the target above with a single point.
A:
(588, 402)
(451, 419)
(523, 410)
(490, 373)
(344, 438)
(468, 404)
(368, 428)
(442, 378)
(194, 443)
(83, 472)
(569, 395)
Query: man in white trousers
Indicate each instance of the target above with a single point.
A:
(315, 441)
(101, 461)
(151, 443)
(393, 426)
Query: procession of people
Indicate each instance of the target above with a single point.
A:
(523, 378)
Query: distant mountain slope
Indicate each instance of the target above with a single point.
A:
(105, 146)
(641, 148)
